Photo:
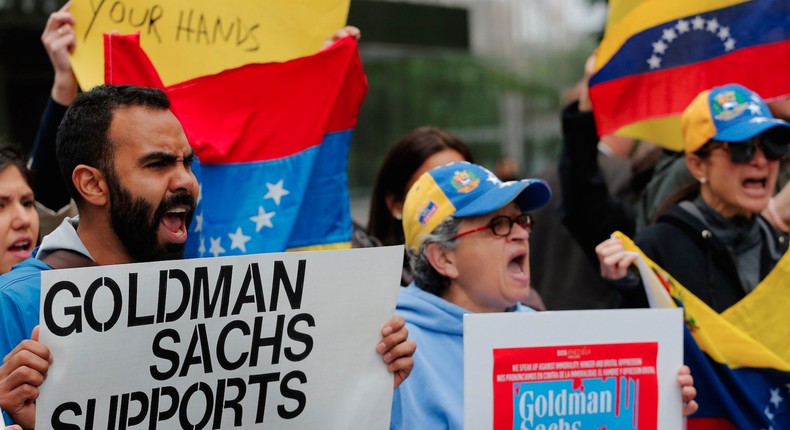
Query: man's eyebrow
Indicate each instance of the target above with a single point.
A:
(164, 156)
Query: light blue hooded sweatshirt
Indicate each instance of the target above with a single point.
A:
(432, 397)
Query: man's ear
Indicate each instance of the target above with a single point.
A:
(443, 260)
(91, 184)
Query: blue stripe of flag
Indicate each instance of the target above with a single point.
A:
(271, 206)
(747, 24)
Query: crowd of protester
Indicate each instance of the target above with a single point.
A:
(717, 200)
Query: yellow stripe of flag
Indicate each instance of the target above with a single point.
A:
(629, 17)
(731, 341)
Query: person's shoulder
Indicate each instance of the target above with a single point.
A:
(409, 296)
(20, 288)
(675, 226)
(412, 295)
(675, 217)
(22, 277)
(520, 307)
(360, 238)
(429, 311)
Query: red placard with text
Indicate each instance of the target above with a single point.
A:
(574, 387)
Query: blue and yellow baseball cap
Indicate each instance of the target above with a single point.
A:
(729, 113)
(463, 189)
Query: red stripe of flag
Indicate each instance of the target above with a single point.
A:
(709, 424)
(235, 116)
(655, 94)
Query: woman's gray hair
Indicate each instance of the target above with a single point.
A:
(425, 276)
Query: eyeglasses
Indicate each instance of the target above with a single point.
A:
(503, 225)
(743, 152)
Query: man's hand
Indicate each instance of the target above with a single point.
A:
(348, 30)
(396, 350)
(23, 371)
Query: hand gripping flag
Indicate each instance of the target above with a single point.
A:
(657, 55)
(740, 359)
(272, 143)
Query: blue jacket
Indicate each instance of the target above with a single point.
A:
(432, 397)
(20, 288)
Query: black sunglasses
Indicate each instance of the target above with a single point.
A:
(742, 152)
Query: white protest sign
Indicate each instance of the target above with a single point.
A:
(281, 340)
(591, 369)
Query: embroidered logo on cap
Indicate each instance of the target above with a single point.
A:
(728, 105)
(465, 181)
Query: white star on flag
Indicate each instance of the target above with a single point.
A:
(654, 62)
(729, 45)
(776, 398)
(724, 33)
(698, 23)
(682, 26)
(768, 413)
(276, 192)
(216, 248)
(713, 25)
(199, 222)
(202, 248)
(660, 47)
(239, 240)
(263, 219)
(669, 35)
(200, 193)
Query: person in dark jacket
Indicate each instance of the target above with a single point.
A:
(717, 245)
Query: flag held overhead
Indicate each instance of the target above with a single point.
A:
(657, 55)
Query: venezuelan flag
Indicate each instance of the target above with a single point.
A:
(272, 142)
(657, 55)
(740, 359)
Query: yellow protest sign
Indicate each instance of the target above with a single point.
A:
(190, 38)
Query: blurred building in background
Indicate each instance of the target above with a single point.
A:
(491, 71)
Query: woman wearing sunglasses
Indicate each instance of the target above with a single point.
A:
(717, 245)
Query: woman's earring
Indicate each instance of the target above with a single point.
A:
(703, 180)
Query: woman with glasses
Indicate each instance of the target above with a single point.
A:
(717, 245)
(467, 235)
(415, 153)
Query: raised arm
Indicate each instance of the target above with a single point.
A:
(59, 41)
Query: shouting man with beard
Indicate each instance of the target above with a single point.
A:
(126, 161)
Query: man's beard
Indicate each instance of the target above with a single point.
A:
(137, 224)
